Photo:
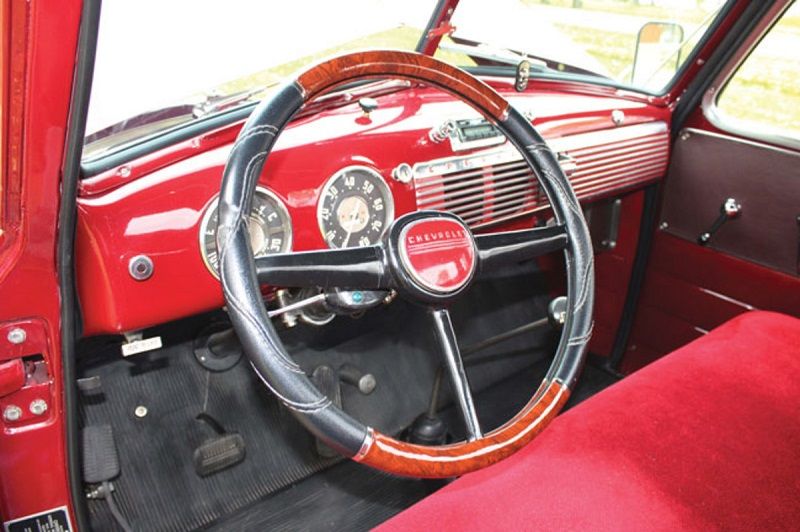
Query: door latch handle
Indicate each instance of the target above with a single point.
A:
(729, 210)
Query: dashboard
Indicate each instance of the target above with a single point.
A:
(337, 177)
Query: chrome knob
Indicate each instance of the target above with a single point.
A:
(403, 173)
(729, 210)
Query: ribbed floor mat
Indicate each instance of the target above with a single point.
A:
(345, 497)
(352, 497)
(160, 444)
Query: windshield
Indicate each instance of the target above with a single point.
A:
(640, 43)
(161, 65)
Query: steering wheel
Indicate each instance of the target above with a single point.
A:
(428, 257)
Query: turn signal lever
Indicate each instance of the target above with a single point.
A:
(729, 210)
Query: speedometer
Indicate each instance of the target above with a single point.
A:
(355, 209)
(268, 225)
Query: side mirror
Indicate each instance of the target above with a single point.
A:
(658, 54)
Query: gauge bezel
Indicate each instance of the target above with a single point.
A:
(385, 191)
(283, 212)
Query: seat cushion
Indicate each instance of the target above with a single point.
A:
(706, 438)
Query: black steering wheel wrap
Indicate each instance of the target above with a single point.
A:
(402, 262)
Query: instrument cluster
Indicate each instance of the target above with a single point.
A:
(354, 209)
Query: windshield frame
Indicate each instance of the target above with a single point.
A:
(430, 38)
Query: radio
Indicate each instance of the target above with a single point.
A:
(467, 134)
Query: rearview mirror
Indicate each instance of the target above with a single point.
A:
(658, 54)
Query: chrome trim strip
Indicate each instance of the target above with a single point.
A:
(580, 141)
(366, 445)
(748, 142)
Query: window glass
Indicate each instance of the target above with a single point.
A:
(763, 96)
(641, 43)
(162, 65)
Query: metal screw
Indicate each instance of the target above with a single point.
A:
(38, 407)
(17, 335)
(12, 413)
(125, 171)
(140, 411)
(140, 267)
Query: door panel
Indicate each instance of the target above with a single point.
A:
(708, 168)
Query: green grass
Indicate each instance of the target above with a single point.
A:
(402, 38)
(628, 7)
(613, 50)
(766, 89)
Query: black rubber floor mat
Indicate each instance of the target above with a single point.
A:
(352, 497)
(345, 497)
(159, 445)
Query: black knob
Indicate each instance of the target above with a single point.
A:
(365, 382)
(428, 430)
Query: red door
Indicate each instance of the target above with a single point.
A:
(39, 42)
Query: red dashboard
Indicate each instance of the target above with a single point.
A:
(609, 143)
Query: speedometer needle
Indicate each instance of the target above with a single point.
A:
(352, 219)
(347, 238)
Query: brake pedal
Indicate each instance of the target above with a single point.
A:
(218, 453)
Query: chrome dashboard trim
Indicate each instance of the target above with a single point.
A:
(593, 161)
(506, 154)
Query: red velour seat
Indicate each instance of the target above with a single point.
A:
(707, 438)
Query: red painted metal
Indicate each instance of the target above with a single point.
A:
(12, 376)
(439, 253)
(612, 272)
(690, 289)
(157, 209)
(704, 52)
(38, 66)
(439, 27)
